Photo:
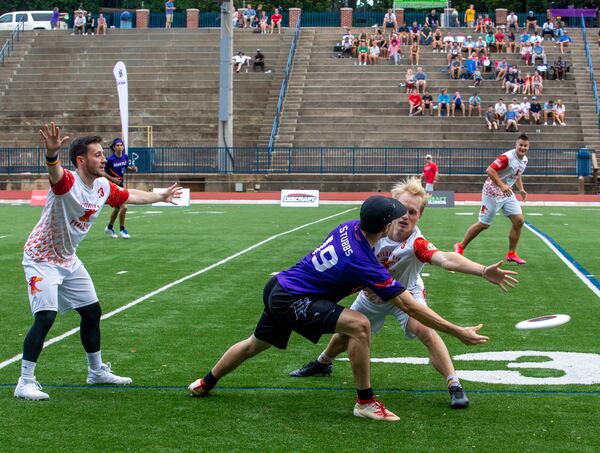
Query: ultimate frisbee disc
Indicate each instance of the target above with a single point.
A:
(543, 322)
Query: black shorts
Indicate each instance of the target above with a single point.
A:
(285, 313)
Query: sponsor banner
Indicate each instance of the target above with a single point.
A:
(183, 201)
(38, 197)
(120, 73)
(299, 198)
(441, 199)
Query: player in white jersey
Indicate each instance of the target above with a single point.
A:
(404, 252)
(57, 279)
(497, 194)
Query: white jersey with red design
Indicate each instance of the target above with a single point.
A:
(68, 214)
(404, 261)
(509, 168)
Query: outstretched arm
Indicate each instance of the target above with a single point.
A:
(143, 197)
(53, 142)
(452, 261)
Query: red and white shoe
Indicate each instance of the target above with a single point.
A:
(374, 410)
(515, 258)
(198, 388)
(459, 248)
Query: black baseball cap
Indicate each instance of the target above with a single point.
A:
(377, 211)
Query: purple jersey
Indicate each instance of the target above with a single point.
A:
(343, 264)
(116, 166)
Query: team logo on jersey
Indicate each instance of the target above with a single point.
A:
(483, 209)
(32, 284)
(101, 192)
(430, 246)
(87, 214)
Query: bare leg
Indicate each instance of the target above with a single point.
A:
(122, 214)
(515, 232)
(438, 352)
(113, 215)
(472, 233)
(337, 345)
(238, 354)
(357, 327)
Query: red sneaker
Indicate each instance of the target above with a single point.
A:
(459, 248)
(515, 258)
(197, 388)
(374, 410)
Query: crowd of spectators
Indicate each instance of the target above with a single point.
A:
(257, 19)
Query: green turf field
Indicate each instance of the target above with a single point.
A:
(175, 336)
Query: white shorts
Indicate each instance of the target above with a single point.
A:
(428, 187)
(491, 205)
(378, 312)
(55, 288)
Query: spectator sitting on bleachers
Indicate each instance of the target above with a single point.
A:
(469, 45)
(512, 21)
(564, 41)
(516, 107)
(548, 29)
(501, 69)
(525, 38)
(485, 64)
(249, 16)
(559, 112)
(488, 24)
(394, 49)
(511, 119)
(374, 52)
(425, 35)
(259, 61)
(78, 23)
(381, 43)
(347, 45)
(415, 104)
(531, 22)
(447, 42)
(528, 84)
(437, 43)
(521, 82)
(481, 47)
(527, 53)
(458, 103)
(471, 65)
(549, 112)
(414, 32)
(490, 41)
(443, 103)
(500, 38)
(525, 107)
(455, 69)
(363, 52)
(410, 81)
(428, 103)
(537, 83)
(404, 34)
(511, 42)
(238, 19)
(90, 25)
(500, 111)
(539, 53)
(490, 119)
(536, 110)
(479, 23)
(414, 53)
(535, 38)
(240, 60)
(454, 54)
(102, 25)
(510, 80)
(421, 80)
(560, 68)
(389, 20)
(432, 19)
(460, 40)
(475, 103)
(477, 78)
(276, 18)
(263, 23)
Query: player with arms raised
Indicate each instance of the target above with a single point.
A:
(497, 194)
(304, 299)
(404, 252)
(56, 278)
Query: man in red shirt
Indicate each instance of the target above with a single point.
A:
(415, 103)
(430, 172)
(276, 21)
(500, 39)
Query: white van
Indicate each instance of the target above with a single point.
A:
(34, 20)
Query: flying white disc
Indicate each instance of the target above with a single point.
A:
(543, 322)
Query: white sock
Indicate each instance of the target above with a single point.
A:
(27, 369)
(452, 379)
(94, 360)
(325, 359)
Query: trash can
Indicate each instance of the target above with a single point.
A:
(583, 162)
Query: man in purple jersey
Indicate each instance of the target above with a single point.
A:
(304, 299)
(116, 165)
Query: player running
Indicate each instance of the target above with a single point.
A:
(404, 252)
(116, 165)
(497, 195)
(304, 299)
(57, 279)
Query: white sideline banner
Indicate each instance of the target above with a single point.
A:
(183, 201)
(299, 198)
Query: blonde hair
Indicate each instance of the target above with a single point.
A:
(411, 185)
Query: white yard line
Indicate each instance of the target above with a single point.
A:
(177, 282)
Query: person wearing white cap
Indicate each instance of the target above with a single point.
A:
(430, 173)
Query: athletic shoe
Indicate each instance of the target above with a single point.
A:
(30, 389)
(374, 410)
(458, 398)
(313, 368)
(459, 248)
(110, 232)
(515, 258)
(105, 376)
(124, 234)
(198, 388)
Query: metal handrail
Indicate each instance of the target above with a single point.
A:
(590, 68)
(9, 44)
(283, 90)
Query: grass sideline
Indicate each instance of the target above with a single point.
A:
(170, 339)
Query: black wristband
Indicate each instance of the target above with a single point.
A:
(51, 160)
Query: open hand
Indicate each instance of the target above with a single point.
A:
(469, 335)
(52, 138)
(501, 277)
(173, 192)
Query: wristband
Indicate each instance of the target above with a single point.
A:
(51, 159)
